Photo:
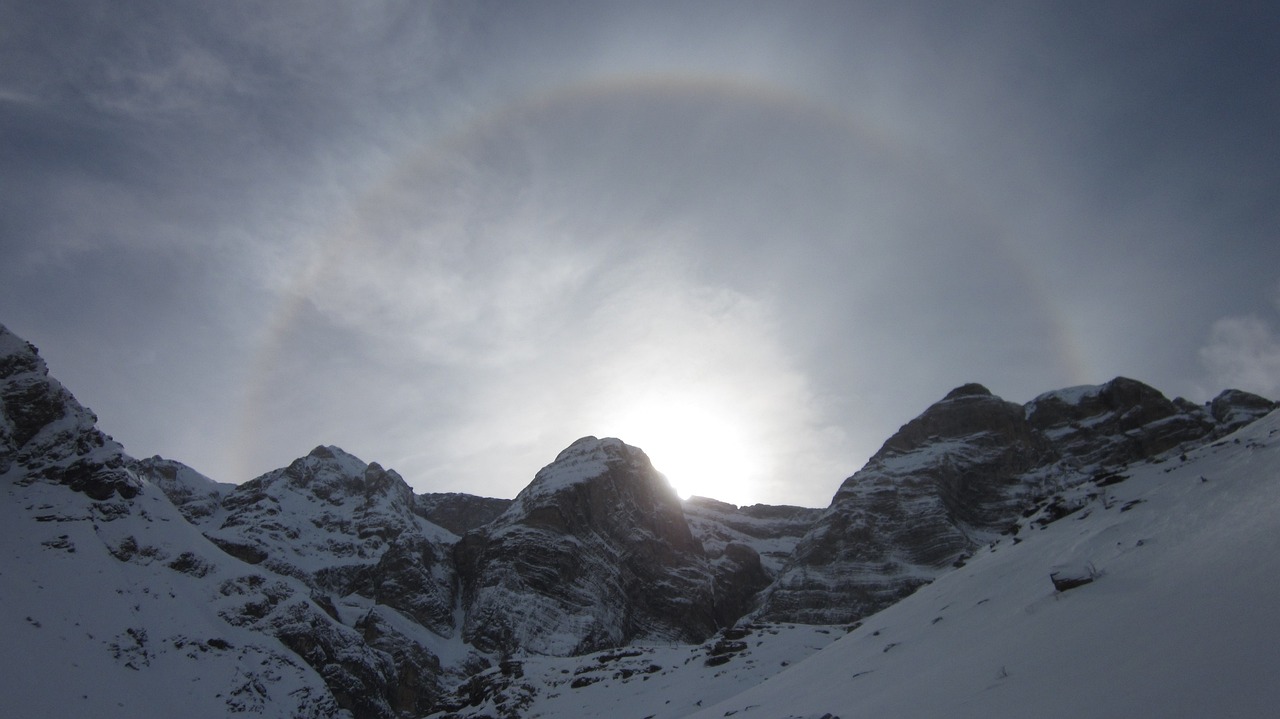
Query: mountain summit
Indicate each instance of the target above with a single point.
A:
(327, 588)
(963, 472)
(594, 553)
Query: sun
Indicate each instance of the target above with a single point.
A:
(700, 446)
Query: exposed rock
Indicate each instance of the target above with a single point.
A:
(593, 553)
(1070, 576)
(195, 495)
(344, 527)
(1116, 423)
(62, 468)
(415, 576)
(739, 576)
(416, 687)
(951, 478)
(747, 547)
(459, 513)
(1233, 409)
(915, 507)
(49, 434)
(771, 530)
(331, 578)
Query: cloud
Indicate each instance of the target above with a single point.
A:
(498, 349)
(1244, 353)
(451, 237)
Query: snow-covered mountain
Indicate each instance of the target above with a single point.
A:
(594, 553)
(1177, 618)
(963, 472)
(138, 587)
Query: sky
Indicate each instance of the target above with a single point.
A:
(753, 239)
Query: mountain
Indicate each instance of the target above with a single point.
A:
(114, 604)
(327, 588)
(961, 474)
(1175, 618)
(1155, 597)
(594, 553)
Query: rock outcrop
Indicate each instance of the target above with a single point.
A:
(379, 577)
(964, 470)
(772, 531)
(136, 596)
(195, 495)
(747, 546)
(594, 553)
(51, 436)
(457, 512)
(328, 588)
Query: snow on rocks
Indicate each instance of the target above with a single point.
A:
(963, 471)
(594, 553)
(327, 588)
(1181, 623)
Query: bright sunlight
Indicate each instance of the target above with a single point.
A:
(702, 448)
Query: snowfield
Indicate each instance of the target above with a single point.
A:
(87, 634)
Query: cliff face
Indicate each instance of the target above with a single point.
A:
(923, 499)
(593, 553)
(459, 513)
(47, 435)
(327, 588)
(962, 471)
(122, 595)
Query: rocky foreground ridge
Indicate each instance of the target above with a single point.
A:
(328, 588)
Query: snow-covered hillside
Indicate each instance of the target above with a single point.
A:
(1180, 619)
(140, 588)
(1177, 619)
(120, 610)
(659, 681)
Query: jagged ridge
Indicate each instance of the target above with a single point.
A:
(963, 471)
(360, 599)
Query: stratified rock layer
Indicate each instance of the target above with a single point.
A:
(327, 588)
(962, 471)
(594, 553)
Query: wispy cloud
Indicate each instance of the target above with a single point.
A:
(1243, 352)
(452, 237)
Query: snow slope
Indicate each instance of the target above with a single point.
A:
(326, 593)
(105, 615)
(657, 681)
(1180, 621)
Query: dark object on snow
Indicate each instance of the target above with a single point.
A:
(1071, 576)
(1115, 478)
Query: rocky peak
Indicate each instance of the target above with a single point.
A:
(1129, 402)
(457, 512)
(963, 470)
(972, 389)
(572, 564)
(932, 491)
(968, 410)
(325, 511)
(602, 485)
(1234, 408)
(196, 496)
(1115, 423)
(51, 436)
